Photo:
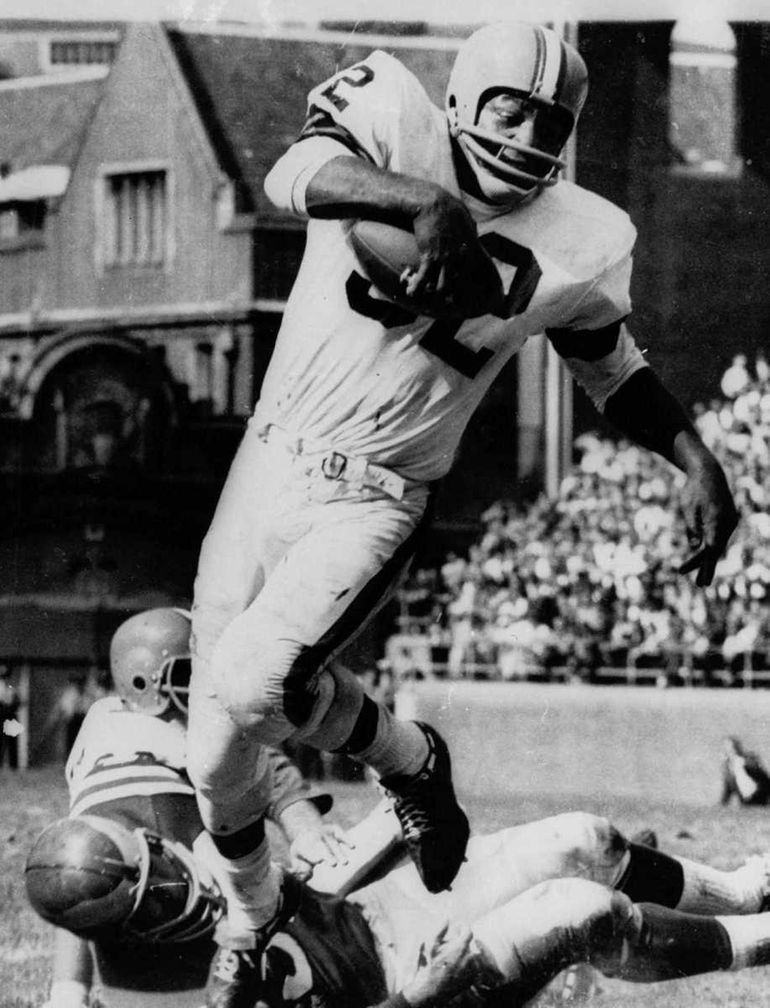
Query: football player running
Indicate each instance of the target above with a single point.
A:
(363, 406)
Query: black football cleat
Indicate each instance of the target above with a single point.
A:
(235, 975)
(435, 828)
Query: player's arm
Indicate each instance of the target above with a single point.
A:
(608, 364)
(341, 167)
(347, 186)
(644, 409)
(312, 841)
(72, 971)
(298, 812)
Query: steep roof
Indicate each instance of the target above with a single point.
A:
(251, 90)
(43, 120)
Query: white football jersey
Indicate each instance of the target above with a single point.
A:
(353, 371)
(120, 753)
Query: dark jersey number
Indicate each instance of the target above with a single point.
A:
(439, 339)
(356, 77)
(527, 275)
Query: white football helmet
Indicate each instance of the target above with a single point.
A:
(530, 62)
(150, 660)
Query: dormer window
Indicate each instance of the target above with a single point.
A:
(72, 49)
(18, 220)
(82, 52)
(25, 197)
(133, 217)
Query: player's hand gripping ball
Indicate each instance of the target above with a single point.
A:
(387, 253)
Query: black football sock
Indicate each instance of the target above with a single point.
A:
(388, 745)
(238, 845)
(364, 730)
(652, 876)
(672, 944)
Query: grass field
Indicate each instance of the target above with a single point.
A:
(29, 800)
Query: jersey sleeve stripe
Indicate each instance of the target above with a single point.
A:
(134, 768)
(320, 124)
(586, 344)
(562, 74)
(126, 788)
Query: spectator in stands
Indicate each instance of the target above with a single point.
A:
(71, 707)
(10, 726)
(736, 377)
(587, 538)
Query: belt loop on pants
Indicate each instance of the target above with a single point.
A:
(336, 465)
(333, 466)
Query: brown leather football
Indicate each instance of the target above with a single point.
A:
(385, 251)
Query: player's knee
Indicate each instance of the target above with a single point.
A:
(601, 914)
(576, 919)
(249, 671)
(337, 698)
(590, 846)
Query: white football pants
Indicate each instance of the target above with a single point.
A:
(524, 892)
(304, 547)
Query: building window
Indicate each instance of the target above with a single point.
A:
(702, 97)
(135, 218)
(21, 220)
(81, 52)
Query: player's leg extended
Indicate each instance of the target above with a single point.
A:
(266, 664)
(692, 887)
(502, 865)
(579, 844)
(269, 664)
(233, 788)
(526, 942)
(533, 937)
(243, 544)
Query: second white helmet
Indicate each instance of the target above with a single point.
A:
(150, 660)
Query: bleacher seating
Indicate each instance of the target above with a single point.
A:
(585, 586)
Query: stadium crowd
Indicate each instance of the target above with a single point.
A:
(588, 581)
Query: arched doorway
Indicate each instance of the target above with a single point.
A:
(98, 402)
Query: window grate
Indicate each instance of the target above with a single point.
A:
(136, 218)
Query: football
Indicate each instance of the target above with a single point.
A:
(385, 251)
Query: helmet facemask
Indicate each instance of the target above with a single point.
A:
(175, 680)
(102, 881)
(517, 170)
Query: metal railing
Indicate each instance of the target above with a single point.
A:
(418, 655)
